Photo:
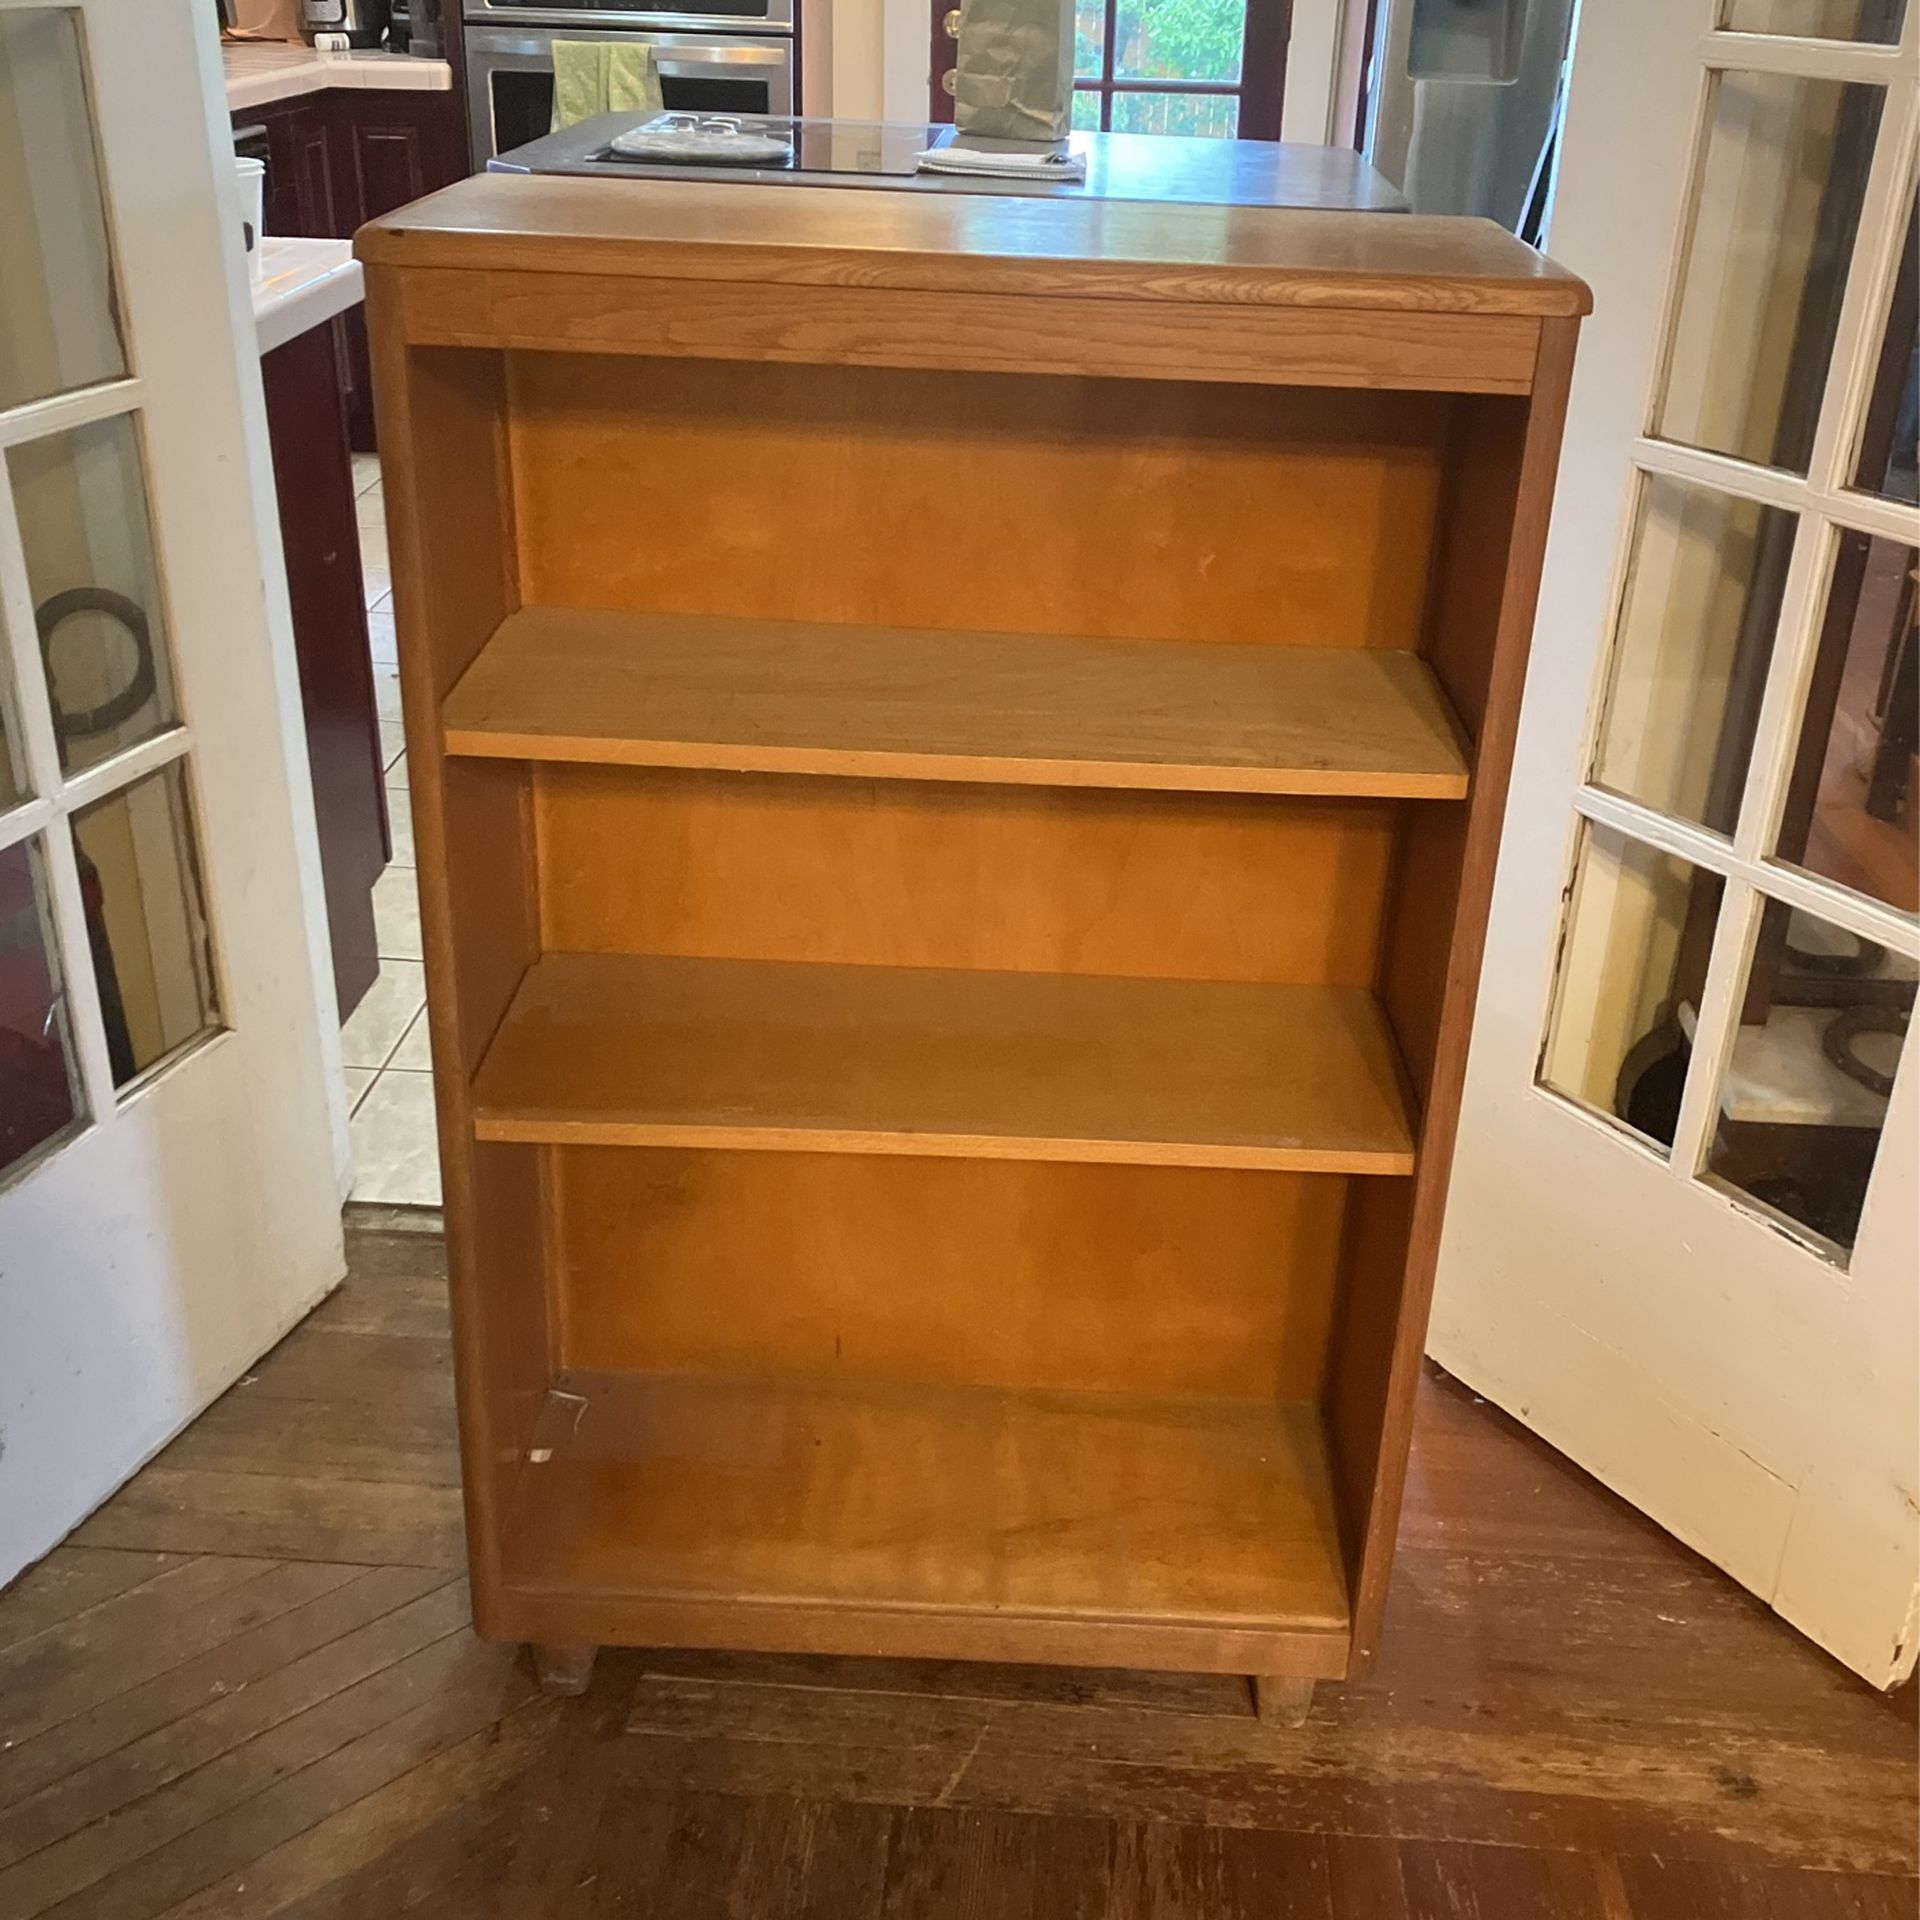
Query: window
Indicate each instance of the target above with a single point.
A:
(1210, 67)
(1216, 68)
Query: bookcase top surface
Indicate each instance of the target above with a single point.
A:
(1197, 255)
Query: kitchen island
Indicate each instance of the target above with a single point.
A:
(958, 747)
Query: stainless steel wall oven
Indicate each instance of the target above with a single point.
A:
(729, 56)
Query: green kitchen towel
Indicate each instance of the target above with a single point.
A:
(598, 76)
(633, 86)
(579, 80)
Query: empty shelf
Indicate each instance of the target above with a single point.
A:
(766, 696)
(615, 1049)
(967, 1515)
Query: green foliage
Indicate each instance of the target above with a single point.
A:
(1184, 39)
(1163, 39)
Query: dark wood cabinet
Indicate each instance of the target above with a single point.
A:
(313, 479)
(334, 161)
(338, 159)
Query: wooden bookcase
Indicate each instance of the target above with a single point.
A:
(957, 748)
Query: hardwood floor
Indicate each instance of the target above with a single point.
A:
(246, 1687)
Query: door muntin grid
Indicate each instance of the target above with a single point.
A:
(152, 862)
(1757, 886)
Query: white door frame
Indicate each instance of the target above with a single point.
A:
(150, 1257)
(1755, 1398)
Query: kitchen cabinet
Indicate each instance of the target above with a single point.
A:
(306, 287)
(338, 159)
(313, 482)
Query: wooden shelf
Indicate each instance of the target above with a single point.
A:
(970, 1516)
(668, 690)
(618, 1049)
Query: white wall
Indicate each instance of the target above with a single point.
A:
(875, 58)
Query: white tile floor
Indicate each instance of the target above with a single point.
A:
(389, 1080)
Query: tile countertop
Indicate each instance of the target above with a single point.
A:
(262, 70)
(302, 283)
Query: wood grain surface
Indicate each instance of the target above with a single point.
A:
(919, 874)
(637, 1050)
(996, 503)
(997, 243)
(1146, 1281)
(742, 320)
(785, 696)
(969, 1517)
(246, 1690)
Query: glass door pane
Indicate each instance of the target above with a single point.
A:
(81, 498)
(1775, 208)
(1890, 429)
(12, 784)
(1213, 116)
(147, 920)
(1852, 814)
(1803, 1102)
(1695, 634)
(1878, 21)
(1178, 39)
(1640, 927)
(39, 1095)
(59, 323)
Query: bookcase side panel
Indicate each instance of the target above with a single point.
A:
(450, 530)
(1480, 624)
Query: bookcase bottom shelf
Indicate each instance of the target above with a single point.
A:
(932, 1522)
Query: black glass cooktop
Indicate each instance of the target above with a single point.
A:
(826, 147)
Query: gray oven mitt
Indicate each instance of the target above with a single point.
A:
(1013, 78)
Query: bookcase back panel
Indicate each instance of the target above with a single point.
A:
(1028, 503)
(911, 873)
(961, 1272)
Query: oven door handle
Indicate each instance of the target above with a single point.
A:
(692, 66)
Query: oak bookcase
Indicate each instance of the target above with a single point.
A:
(957, 746)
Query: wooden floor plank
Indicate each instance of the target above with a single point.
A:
(308, 1769)
(1516, 1776)
(95, 1763)
(1796, 1894)
(461, 1855)
(1180, 1872)
(166, 1819)
(364, 1831)
(349, 1367)
(1496, 1883)
(73, 1666)
(312, 1734)
(962, 1863)
(289, 1516)
(69, 1582)
(396, 1441)
(1365, 1880)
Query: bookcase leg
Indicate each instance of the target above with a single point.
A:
(563, 1667)
(1281, 1701)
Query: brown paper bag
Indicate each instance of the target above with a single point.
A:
(1013, 76)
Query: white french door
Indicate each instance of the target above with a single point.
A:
(1682, 1237)
(170, 1123)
